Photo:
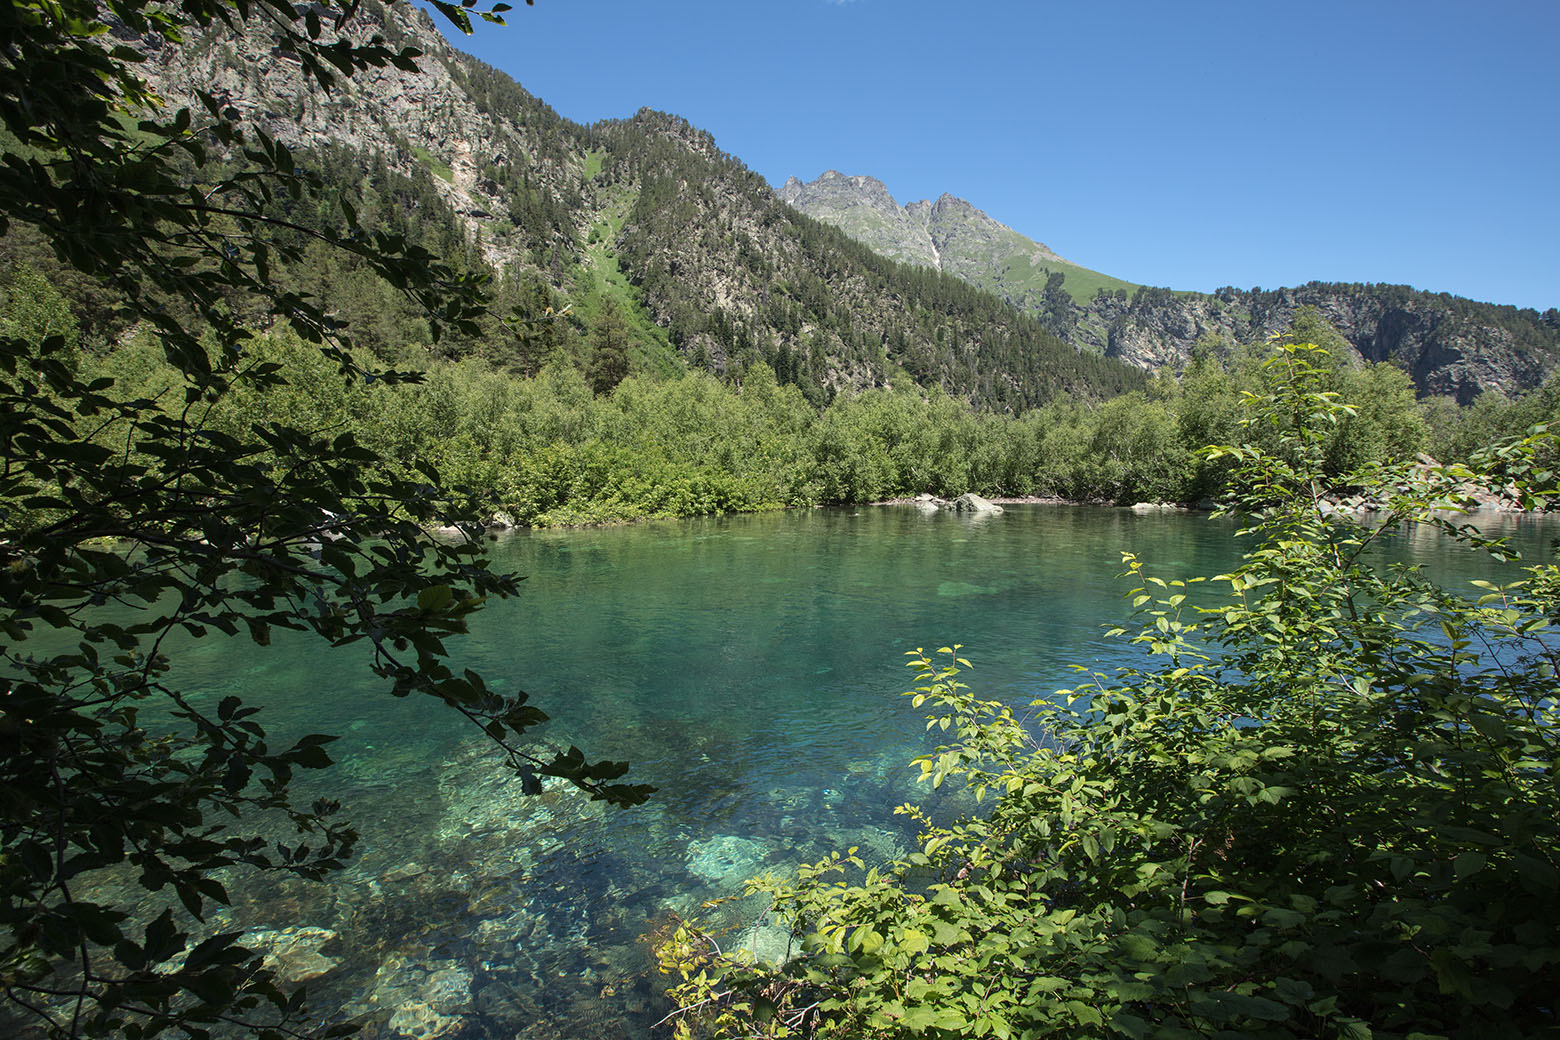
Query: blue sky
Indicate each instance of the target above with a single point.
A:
(1193, 144)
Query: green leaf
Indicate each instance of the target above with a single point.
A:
(1468, 863)
(435, 598)
(1083, 1013)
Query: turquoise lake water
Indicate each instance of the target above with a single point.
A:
(748, 667)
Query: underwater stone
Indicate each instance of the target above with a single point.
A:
(484, 799)
(422, 1022)
(726, 859)
(768, 944)
(430, 998)
(405, 872)
(294, 953)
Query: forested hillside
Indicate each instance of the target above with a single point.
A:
(1450, 346)
(707, 267)
(641, 222)
(633, 253)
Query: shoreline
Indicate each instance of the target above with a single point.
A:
(1007, 500)
(926, 501)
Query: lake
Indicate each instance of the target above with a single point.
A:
(749, 667)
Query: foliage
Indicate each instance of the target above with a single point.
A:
(1326, 808)
(554, 449)
(200, 494)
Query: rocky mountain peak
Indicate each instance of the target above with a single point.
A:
(863, 208)
(837, 191)
(1454, 347)
(699, 238)
(950, 234)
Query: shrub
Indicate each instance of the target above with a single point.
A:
(1326, 806)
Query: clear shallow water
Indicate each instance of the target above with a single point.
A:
(749, 667)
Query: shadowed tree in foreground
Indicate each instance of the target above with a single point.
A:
(124, 521)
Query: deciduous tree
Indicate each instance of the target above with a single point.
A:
(125, 519)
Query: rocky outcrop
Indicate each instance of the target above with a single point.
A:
(1451, 346)
(1448, 345)
(734, 276)
(863, 209)
(649, 209)
(948, 234)
(431, 118)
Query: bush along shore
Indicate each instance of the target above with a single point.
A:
(1324, 805)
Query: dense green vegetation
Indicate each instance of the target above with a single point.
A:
(822, 310)
(1324, 807)
(583, 442)
(702, 262)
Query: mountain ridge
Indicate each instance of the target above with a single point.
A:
(949, 234)
(713, 269)
(1449, 345)
(645, 216)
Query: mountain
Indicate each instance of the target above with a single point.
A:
(842, 288)
(1449, 345)
(643, 217)
(949, 234)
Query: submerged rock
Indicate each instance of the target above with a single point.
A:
(484, 801)
(294, 953)
(429, 999)
(422, 1022)
(969, 502)
(725, 859)
(767, 944)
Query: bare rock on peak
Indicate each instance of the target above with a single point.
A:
(864, 209)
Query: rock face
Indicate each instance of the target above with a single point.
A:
(435, 118)
(948, 234)
(718, 273)
(863, 209)
(732, 275)
(1449, 345)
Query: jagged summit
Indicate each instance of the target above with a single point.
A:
(864, 209)
(949, 234)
